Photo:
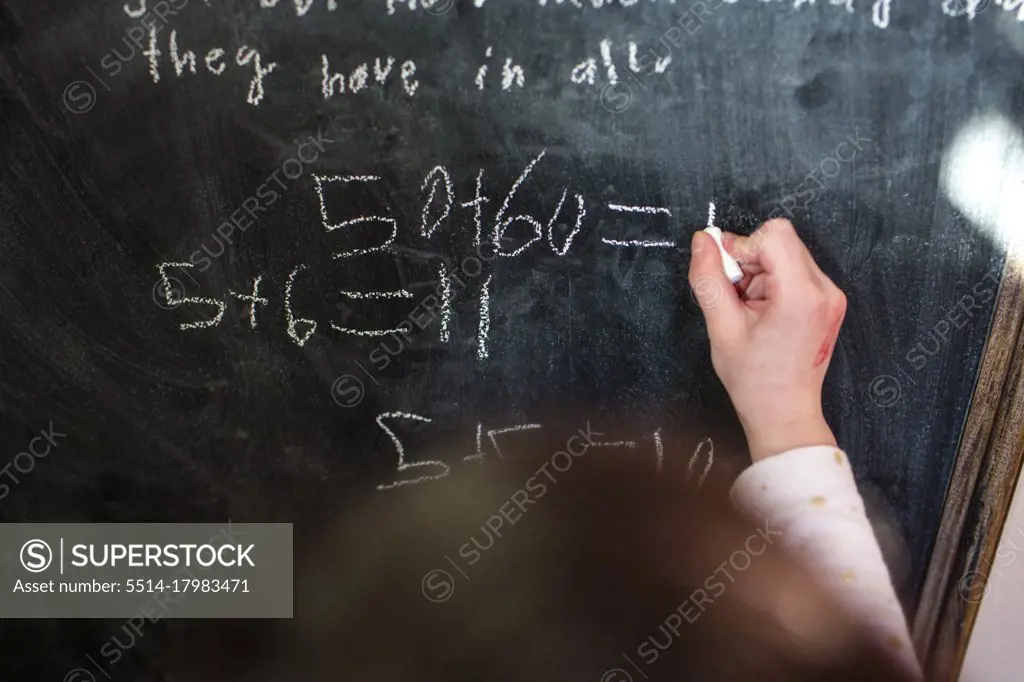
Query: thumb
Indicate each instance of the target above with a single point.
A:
(711, 289)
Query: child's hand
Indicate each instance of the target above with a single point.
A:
(771, 341)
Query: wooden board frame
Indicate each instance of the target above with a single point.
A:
(981, 487)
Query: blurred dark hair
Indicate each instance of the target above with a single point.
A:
(478, 577)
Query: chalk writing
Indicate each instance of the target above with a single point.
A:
(479, 455)
(648, 243)
(344, 76)
(336, 83)
(659, 450)
(400, 449)
(521, 431)
(484, 329)
(695, 458)
(650, 210)
(446, 303)
(319, 180)
(494, 433)
(512, 74)
(173, 301)
(293, 323)
(477, 204)
(401, 293)
(439, 170)
(501, 224)
(880, 13)
(253, 300)
(214, 60)
(581, 213)
(335, 201)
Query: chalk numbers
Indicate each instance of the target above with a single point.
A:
(509, 435)
(499, 237)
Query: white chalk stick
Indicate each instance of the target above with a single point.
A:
(732, 269)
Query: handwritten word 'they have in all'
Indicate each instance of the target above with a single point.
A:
(172, 53)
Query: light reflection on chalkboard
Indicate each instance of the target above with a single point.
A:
(983, 176)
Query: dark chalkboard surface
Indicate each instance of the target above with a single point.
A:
(368, 157)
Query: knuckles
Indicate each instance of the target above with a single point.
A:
(839, 303)
(780, 225)
(819, 306)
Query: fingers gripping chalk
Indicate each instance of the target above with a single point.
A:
(732, 269)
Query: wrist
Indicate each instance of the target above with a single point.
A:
(765, 440)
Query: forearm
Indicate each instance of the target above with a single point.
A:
(811, 496)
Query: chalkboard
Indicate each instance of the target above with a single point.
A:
(258, 257)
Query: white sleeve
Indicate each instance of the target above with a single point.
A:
(810, 495)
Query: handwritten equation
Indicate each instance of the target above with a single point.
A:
(335, 193)
(511, 435)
